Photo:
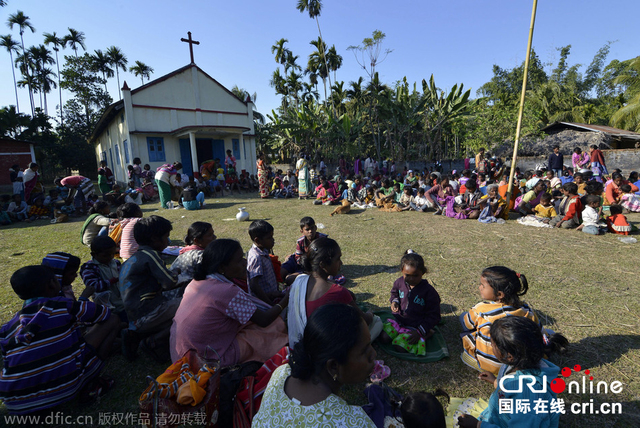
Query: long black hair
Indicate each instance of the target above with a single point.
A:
(218, 253)
(522, 344)
(196, 231)
(321, 251)
(325, 339)
(511, 284)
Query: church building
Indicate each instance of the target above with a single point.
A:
(184, 116)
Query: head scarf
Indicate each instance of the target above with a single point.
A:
(532, 183)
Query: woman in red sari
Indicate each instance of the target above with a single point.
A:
(262, 176)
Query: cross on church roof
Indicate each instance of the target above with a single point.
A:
(191, 43)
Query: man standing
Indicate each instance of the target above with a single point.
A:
(556, 162)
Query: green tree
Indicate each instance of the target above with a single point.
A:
(12, 122)
(80, 78)
(119, 61)
(142, 70)
(628, 117)
(23, 23)
(11, 46)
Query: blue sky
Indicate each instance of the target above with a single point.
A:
(456, 40)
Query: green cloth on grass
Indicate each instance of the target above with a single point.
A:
(436, 347)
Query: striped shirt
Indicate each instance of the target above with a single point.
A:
(476, 340)
(46, 360)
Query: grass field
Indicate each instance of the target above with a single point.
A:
(584, 286)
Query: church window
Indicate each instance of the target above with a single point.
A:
(156, 149)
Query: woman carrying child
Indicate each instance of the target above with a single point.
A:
(440, 193)
(500, 289)
(613, 192)
(520, 346)
(216, 313)
(415, 305)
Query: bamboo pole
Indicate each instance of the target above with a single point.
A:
(521, 111)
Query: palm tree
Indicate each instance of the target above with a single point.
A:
(101, 65)
(11, 46)
(281, 52)
(46, 83)
(314, 8)
(57, 42)
(75, 39)
(22, 21)
(118, 61)
(334, 61)
(316, 65)
(141, 69)
(41, 58)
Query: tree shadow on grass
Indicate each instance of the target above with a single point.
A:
(599, 350)
(352, 272)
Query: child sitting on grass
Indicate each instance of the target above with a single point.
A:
(148, 291)
(520, 346)
(260, 275)
(570, 208)
(101, 276)
(591, 222)
(18, 208)
(545, 210)
(37, 211)
(65, 268)
(415, 305)
(47, 357)
(617, 222)
(500, 289)
(293, 265)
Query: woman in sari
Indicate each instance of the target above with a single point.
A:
(531, 199)
(579, 160)
(30, 180)
(304, 179)
(217, 313)
(263, 173)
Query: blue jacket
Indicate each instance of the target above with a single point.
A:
(491, 416)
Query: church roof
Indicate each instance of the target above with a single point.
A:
(111, 111)
(178, 71)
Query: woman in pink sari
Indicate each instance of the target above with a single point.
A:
(216, 313)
